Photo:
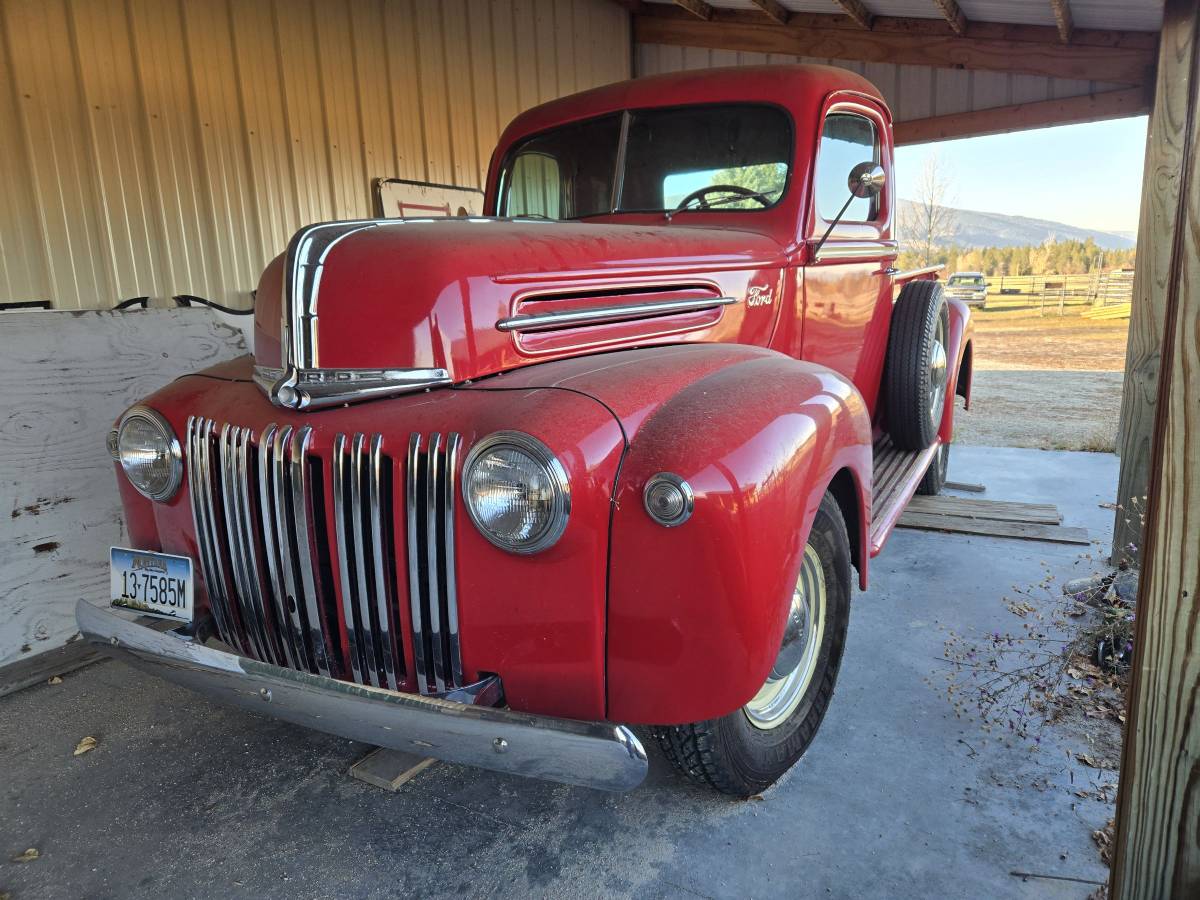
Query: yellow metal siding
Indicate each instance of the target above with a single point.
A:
(154, 148)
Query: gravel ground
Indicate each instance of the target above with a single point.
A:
(1045, 410)
(1048, 383)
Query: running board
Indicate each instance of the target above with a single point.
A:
(896, 476)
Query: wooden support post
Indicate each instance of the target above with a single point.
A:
(1157, 235)
(1157, 849)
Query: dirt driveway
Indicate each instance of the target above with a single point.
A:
(1050, 382)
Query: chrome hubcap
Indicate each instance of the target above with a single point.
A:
(937, 374)
(797, 660)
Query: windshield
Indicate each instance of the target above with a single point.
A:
(713, 157)
(973, 280)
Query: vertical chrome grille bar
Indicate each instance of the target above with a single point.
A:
(287, 546)
(350, 614)
(231, 515)
(306, 561)
(234, 637)
(250, 546)
(266, 491)
(383, 594)
(374, 663)
(199, 482)
(449, 496)
(234, 517)
(434, 462)
(411, 501)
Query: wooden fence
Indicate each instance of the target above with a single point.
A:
(1109, 291)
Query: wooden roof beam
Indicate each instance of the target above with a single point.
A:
(953, 15)
(1021, 116)
(697, 8)
(1062, 16)
(855, 10)
(774, 9)
(1126, 58)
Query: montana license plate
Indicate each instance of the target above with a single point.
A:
(154, 584)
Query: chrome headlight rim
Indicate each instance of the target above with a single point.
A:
(687, 498)
(544, 456)
(174, 451)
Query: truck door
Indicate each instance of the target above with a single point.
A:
(847, 284)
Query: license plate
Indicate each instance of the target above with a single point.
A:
(154, 584)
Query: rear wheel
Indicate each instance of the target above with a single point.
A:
(916, 372)
(745, 752)
(935, 476)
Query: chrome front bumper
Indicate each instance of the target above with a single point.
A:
(591, 754)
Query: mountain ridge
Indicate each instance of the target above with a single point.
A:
(977, 228)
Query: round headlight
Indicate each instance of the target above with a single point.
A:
(516, 492)
(149, 453)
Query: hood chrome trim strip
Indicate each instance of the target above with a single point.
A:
(599, 315)
(300, 383)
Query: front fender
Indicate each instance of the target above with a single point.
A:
(696, 612)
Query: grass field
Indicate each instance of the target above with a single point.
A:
(1047, 381)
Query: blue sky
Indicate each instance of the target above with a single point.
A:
(1087, 175)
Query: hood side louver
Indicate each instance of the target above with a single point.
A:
(554, 321)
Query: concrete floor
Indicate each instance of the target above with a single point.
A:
(186, 799)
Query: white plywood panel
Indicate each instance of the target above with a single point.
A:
(70, 375)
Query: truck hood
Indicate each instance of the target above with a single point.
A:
(461, 299)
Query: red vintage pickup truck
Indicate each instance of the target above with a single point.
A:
(495, 489)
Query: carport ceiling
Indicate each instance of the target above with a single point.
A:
(949, 68)
(1103, 15)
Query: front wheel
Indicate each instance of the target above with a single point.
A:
(745, 752)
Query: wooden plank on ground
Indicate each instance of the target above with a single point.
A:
(386, 768)
(67, 377)
(965, 486)
(1029, 531)
(40, 668)
(998, 510)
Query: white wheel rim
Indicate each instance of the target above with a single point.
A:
(796, 663)
(938, 373)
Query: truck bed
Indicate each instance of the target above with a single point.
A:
(896, 476)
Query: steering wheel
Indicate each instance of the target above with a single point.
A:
(701, 193)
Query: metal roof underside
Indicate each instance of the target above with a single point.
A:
(1010, 80)
(1114, 15)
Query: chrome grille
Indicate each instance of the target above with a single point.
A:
(362, 513)
(294, 581)
(254, 503)
(432, 590)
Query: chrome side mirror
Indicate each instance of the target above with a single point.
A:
(867, 179)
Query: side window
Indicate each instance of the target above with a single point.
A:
(535, 187)
(846, 140)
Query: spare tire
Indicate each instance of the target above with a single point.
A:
(916, 372)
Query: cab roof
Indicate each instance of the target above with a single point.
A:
(797, 88)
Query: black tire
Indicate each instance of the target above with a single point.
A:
(908, 385)
(935, 476)
(731, 754)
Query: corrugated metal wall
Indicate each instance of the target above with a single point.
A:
(162, 147)
(912, 92)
